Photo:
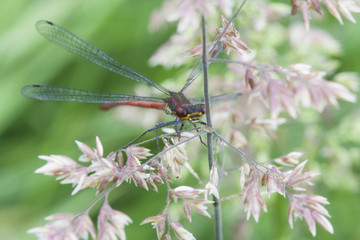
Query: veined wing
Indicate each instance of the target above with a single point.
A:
(69, 41)
(217, 99)
(56, 93)
(197, 70)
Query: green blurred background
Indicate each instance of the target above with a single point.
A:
(120, 28)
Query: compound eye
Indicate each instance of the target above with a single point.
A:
(203, 109)
(181, 113)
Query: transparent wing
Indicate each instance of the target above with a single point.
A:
(69, 41)
(197, 70)
(217, 99)
(56, 93)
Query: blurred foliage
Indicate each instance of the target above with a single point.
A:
(120, 28)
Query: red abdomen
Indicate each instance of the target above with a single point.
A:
(156, 105)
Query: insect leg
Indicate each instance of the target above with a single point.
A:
(198, 131)
(181, 126)
(159, 125)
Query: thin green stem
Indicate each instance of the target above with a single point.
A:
(217, 206)
(217, 203)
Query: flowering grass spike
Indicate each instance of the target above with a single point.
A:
(275, 82)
